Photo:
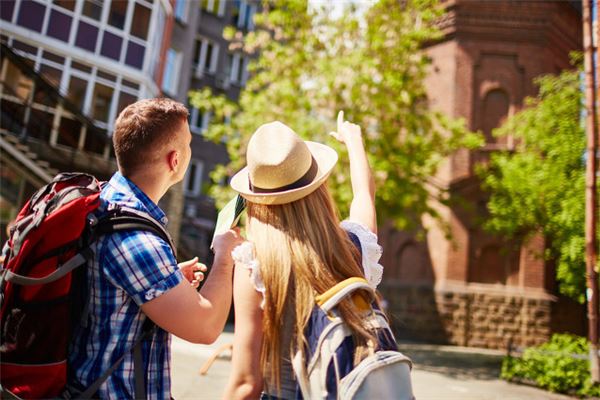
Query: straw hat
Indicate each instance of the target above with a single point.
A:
(282, 167)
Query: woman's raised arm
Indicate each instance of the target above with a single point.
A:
(362, 209)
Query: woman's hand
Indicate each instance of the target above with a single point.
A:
(362, 208)
(225, 243)
(347, 132)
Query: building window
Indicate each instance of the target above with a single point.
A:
(69, 131)
(59, 26)
(111, 46)
(214, 6)
(171, 71)
(199, 121)
(97, 26)
(181, 10)
(495, 110)
(7, 9)
(101, 101)
(155, 45)
(66, 4)
(118, 12)
(193, 178)
(31, 15)
(206, 56)
(77, 91)
(135, 55)
(238, 65)
(86, 36)
(249, 20)
(140, 22)
(51, 74)
(92, 9)
(125, 99)
(243, 15)
(99, 94)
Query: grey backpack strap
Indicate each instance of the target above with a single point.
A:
(138, 367)
(138, 372)
(6, 394)
(144, 221)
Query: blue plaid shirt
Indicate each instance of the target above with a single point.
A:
(129, 269)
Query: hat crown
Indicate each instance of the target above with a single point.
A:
(276, 156)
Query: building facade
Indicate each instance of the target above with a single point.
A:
(207, 60)
(73, 66)
(476, 289)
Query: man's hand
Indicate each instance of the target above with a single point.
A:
(193, 271)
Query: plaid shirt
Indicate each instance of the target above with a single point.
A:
(129, 269)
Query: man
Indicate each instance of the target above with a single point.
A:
(134, 274)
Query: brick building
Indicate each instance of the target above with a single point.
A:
(476, 289)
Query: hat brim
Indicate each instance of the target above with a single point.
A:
(324, 156)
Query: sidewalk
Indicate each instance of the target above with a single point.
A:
(439, 373)
(464, 373)
(188, 358)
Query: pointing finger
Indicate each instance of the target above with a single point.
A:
(340, 120)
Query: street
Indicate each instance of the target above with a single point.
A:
(439, 372)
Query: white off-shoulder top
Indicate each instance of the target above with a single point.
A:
(243, 255)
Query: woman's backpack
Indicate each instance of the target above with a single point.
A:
(329, 371)
(43, 282)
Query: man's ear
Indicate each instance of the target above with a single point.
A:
(173, 160)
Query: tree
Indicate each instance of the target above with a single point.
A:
(540, 187)
(310, 64)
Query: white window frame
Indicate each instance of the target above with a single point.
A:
(102, 25)
(197, 179)
(199, 121)
(234, 67)
(251, 10)
(171, 71)
(238, 60)
(201, 62)
(242, 13)
(182, 10)
(210, 7)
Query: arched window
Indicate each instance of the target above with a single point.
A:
(495, 110)
(414, 264)
(488, 266)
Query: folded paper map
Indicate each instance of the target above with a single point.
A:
(229, 216)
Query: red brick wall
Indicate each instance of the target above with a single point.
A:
(489, 46)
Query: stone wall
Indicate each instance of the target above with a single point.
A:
(478, 316)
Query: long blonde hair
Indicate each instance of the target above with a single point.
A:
(302, 252)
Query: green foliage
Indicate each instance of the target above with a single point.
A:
(553, 367)
(310, 64)
(540, 187)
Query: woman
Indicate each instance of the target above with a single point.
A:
(297, 249)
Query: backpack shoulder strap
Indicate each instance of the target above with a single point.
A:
(140, 390)
(128, 219)
(328, 300)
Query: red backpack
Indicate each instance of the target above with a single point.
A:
(43, 288)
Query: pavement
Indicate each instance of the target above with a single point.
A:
(439, 372)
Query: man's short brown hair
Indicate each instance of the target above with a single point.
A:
(143, 128)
